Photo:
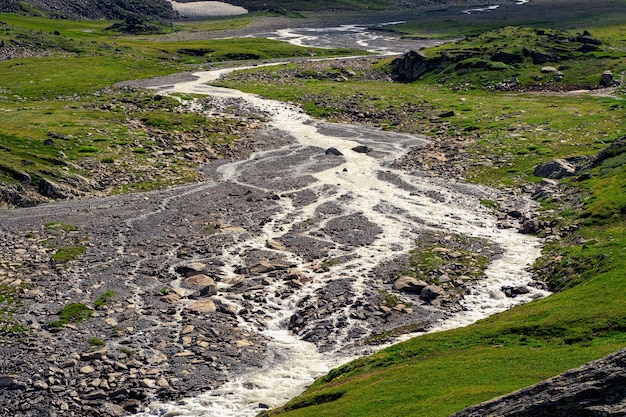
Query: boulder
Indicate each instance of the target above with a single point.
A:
(432, 292)
(540, 58)
(203, 307)
(51, 189)
(362, 149)
(191, 269)
(586, 38)
(411, 66)
(333, 151)
(203, 283)
(595, 389)
(607, 79)
(506, 57)
(549, 70)
(555, 169)
(410, 285)
(265, 267)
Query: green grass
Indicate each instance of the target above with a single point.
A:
(104, 299)
(68, 253)
(72, 313)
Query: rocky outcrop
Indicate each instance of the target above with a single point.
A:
(411, 66)
(595, 389)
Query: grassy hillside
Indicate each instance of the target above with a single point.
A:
(61, 122)
(505, 134)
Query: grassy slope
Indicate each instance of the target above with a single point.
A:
(59, 95)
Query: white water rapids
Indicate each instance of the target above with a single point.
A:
(360, 185)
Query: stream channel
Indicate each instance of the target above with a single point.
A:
(347, 205)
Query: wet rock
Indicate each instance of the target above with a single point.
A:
(362, 149)
(333, 151)
(513, 292)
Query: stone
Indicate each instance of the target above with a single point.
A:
(205, 284)
(513, 292)
(191, 269)
(87, 369)
(333, 151)
(548, 70)
(265, 267)
(362, 149)
(203, 307)
(432, 292)
(555, 169)
(607, 79)
(96, 395)
(40, 385)
(410, 285)
(112, 410)
(95, 355)
(275, 245)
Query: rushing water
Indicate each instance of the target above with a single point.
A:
(398, 205)
(360, 184)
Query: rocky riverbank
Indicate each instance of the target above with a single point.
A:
(114, 303)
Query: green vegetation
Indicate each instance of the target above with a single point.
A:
(104, 299)
(68, 253)
(72, 313)
(61, 118)
(9, 303)
(96, 342)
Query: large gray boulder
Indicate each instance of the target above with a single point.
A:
(595, 389)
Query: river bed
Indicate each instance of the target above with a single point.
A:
(357, 208)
